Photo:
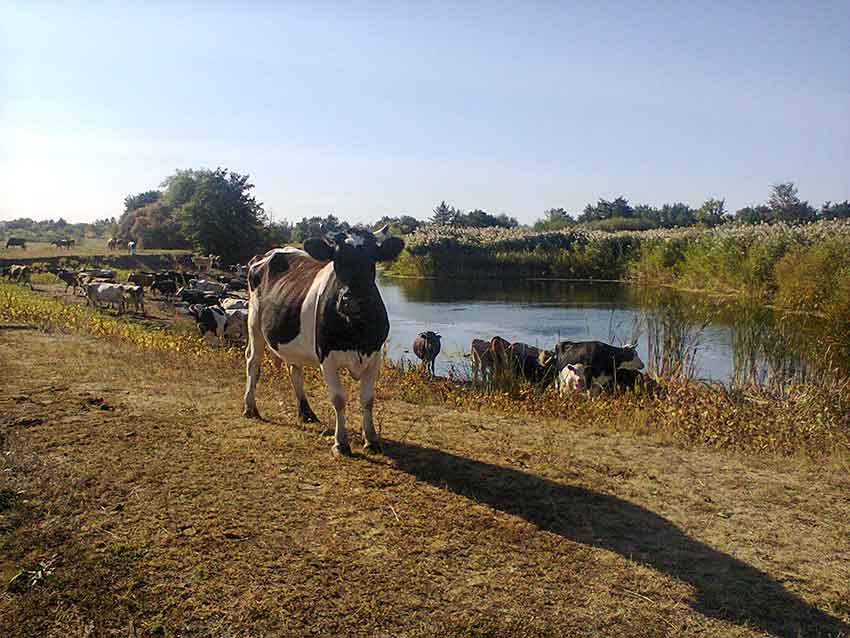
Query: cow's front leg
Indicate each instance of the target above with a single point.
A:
(337, 393)
(305, 413)
(372, 442)
(253, 358)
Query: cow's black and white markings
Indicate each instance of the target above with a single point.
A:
(320, 307)
(601, 361)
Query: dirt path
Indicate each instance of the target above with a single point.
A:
(155, 510)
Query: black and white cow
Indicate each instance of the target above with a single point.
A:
(600, 361)
(320, 307)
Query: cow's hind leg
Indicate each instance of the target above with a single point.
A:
(253, 358)
(305, 413)
(337, 393)
(371, 440)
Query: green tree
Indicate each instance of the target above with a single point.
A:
(712, 212)
(223, 218)
(133, 202)
(786, 205)
(554, 219)
(839, 210)
(754, 214)
(446, 215)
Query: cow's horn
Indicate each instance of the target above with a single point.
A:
(383, 230)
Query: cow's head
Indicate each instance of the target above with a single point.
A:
(354, 255)
(629, 359)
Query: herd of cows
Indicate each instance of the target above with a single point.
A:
(573, 366)
(321, 307)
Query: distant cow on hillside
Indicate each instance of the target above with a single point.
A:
(16, 241)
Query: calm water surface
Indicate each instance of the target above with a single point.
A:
(535, 312)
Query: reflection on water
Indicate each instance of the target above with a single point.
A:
(677, 335)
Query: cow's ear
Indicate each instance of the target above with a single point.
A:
(390, 248)
(319, 249)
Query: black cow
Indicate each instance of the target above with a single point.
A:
(426, 346)
(16, 241)
(68, 277)
(196, 296)
(533, 364)
(320, 307)
(143, 279)
(601, 361)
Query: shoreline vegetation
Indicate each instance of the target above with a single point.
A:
(809, 418)
(791, 268)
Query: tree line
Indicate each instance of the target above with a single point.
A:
(783, 205)
(214, 211)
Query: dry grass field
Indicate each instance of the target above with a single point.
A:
(135, 501)
(83, 248)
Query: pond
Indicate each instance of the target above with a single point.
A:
(671, 330)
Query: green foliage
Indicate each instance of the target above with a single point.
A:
(48, 230)
(402, 225)
(223, 218)
(554, 219)
(621, 223)
(445, 215)
(315, 226)
(839, 210)
(607, 210)
(133, 202)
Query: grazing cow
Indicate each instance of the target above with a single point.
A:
(131, 247)
(533, 364)
(143, 279)
(237, 284)
(113, 294)
(68, 277)
(207, 286)
(320, 307)
(16, 241)
(63, 243)
(111, 243)
(426, 346)
(489, 358)
(20, 274)
(229, 324)
(197, 296)
(233, 303)
(135, 295)
(601, 360)
(572, 379)
(165, 287)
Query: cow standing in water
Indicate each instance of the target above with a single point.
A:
(320, 307)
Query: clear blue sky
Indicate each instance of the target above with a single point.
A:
(371, 110)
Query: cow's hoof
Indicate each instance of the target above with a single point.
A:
(373, 447)
(339, 451)
(306, 414)
(251, 413)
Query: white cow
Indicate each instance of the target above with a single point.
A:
(232, 303)
(206, 285)
(131, 247)
(135, 295)
(113, 294)
(573, 378)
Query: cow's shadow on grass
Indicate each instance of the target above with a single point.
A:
(725, 587)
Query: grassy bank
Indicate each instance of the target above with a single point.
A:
(812, 419)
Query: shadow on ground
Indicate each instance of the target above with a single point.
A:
(726, 588)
